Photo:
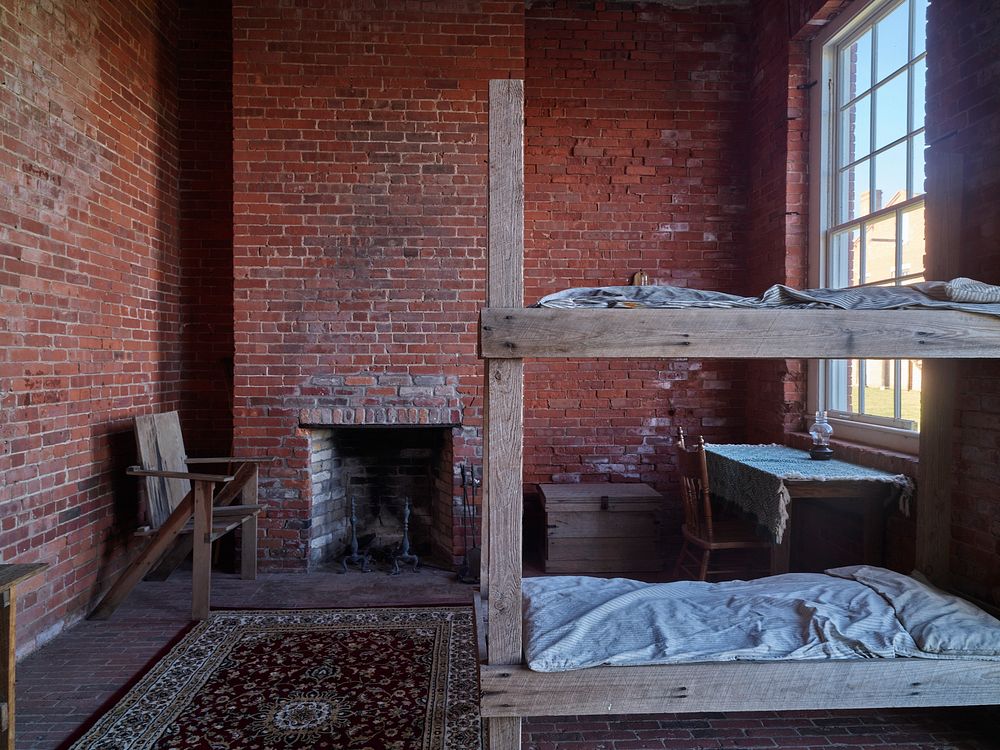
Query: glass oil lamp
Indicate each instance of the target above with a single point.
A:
(820, 431)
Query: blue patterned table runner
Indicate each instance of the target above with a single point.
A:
(753, 477)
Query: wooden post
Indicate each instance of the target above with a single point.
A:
(201, 564)
(248, 531)
(504, 397)
(939, 381)
(10, 576)
(8, 657)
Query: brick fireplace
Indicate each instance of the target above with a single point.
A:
(375, 469)
(359, 234)
(360, 205)
(389, 437)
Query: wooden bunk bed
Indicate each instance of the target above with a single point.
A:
(509, 333)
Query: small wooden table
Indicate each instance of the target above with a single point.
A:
(10, 576)
(766, 480)
(600, 527)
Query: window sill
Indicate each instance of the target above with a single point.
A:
(883, 459)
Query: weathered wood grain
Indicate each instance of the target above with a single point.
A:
(10, 576)
(504, 401)
(600, 523)
(201, 539)
(503, 733)
(504, 426)
(13, 573)
(8, 663)
(737, 334)
(248, 532)
(505, 230)
(739, 686)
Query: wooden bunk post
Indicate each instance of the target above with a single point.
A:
(504, 398)
(938, 383)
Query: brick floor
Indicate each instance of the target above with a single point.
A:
(66, 681)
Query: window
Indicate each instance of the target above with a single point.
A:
(868, 201)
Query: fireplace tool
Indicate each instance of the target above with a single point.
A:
(354, 557)
(468, 571)
(404, 545)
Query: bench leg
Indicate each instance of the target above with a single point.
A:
(248, 549)
(248, 544)
(201, 568)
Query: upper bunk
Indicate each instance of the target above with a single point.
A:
(518, 333)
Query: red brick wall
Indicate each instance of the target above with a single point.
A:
(963, 117)
(779, 192)
(205, 149)
(635, 145)
(89, 282)
(360, 208)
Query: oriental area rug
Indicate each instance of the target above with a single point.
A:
(335, 679)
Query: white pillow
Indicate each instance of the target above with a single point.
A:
(940, 624)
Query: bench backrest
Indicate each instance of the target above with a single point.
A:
(161, 448)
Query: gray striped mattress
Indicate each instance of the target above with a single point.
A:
(958, 294)
(858, 612)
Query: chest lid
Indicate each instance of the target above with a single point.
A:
(592, 496)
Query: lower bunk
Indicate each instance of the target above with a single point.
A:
(852, 638)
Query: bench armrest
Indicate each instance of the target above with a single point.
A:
(235, 510)
(137, 471)
(231, 460)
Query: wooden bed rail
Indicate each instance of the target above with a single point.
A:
(515, 333)
(738, 686)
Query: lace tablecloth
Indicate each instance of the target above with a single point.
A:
(753, 477)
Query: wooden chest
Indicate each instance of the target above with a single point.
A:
(602, 528)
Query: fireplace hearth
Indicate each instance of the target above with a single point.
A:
(381, 467)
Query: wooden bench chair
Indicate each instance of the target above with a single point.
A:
(703, 532)
(186, 512)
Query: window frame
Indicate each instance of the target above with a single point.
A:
(870, 430)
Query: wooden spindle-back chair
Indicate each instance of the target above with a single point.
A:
(703, 534)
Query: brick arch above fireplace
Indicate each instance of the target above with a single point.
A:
(384, 398)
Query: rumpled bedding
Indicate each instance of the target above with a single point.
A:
(857, 612)
(958, 294)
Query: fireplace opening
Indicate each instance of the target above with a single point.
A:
(380, 467)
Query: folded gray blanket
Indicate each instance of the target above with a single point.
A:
(958, 294)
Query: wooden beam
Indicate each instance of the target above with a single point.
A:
(506, 195)
(504, 468)
(739, 686)
(737, 334)
(505, 262)
(938, 384)
(503, 413)
(503, 733)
